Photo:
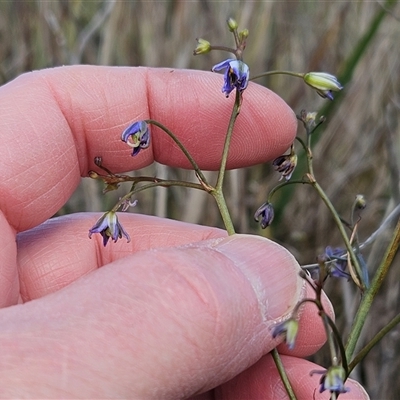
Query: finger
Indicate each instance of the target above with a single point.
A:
(9, 283)
(58, 252)
(54, 122)
(311, 334)
(45, 271)
(262, 381)
(164, 323)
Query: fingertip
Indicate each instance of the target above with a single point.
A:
(198, 112)
(311, 334)
(67, 116)
(262, 381)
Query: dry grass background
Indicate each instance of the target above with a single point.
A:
(358, 150)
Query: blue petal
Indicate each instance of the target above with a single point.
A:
(135, 151)
(100, 225)
(242, 72)
(145, 139)
(222, 65)
(139, 126)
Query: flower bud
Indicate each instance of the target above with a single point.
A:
(243, 35)
(323, 83)
(289, 329)
(232, 24)
(93, 174)
(333, 380)
(264, 215)
(203, 47)
(309, 120)
(360, 202)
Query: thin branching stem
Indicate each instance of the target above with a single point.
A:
(277, 72)
(340, 226)
(157, 183)
(366, 349)
(196, 168)
(369, 295)
(282, 372)
(218, 190)
(224, 158)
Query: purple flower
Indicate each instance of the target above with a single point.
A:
(264, 215)
(339, 262)
(137, 136)
(333, 380)
(286, 164)
(109, 227)
(236, 75)
(288, 328)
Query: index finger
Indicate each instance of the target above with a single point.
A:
(54, 122)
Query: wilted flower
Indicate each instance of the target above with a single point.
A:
(333, 380)
(109, 227)
(203, 47)
(264, 215)
(128, 203)
(288, 328)
(339, 262)
(360, 202)
(236, 75)
(286, 164)
(309, 120)
(323, 83)
(137, 136)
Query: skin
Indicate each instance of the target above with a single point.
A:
(181, 311)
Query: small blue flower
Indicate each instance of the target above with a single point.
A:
(109, 227)
(264, 215)
(333, 380)
(288, 328)
(323, 83)
(236, 75)
(137, 136)
(339, 262)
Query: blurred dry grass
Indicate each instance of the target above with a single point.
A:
(358, 151)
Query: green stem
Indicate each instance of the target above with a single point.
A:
(331, 208)
(369, 295)
(224, 158)
(283, 375)
(339, 342)
(159, 182)
(277, 72)
(284, 184)
(224, 48)
(365, 350)
(339, 224)
(202, 178)
(309, 155)
(223, 209)
(352, 62)
(329, 338)
(217, 192)
(300, 140)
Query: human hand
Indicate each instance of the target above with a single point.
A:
(179, 310)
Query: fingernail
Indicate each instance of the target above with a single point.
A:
(271, 270)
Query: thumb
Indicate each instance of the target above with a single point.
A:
(160, 323)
